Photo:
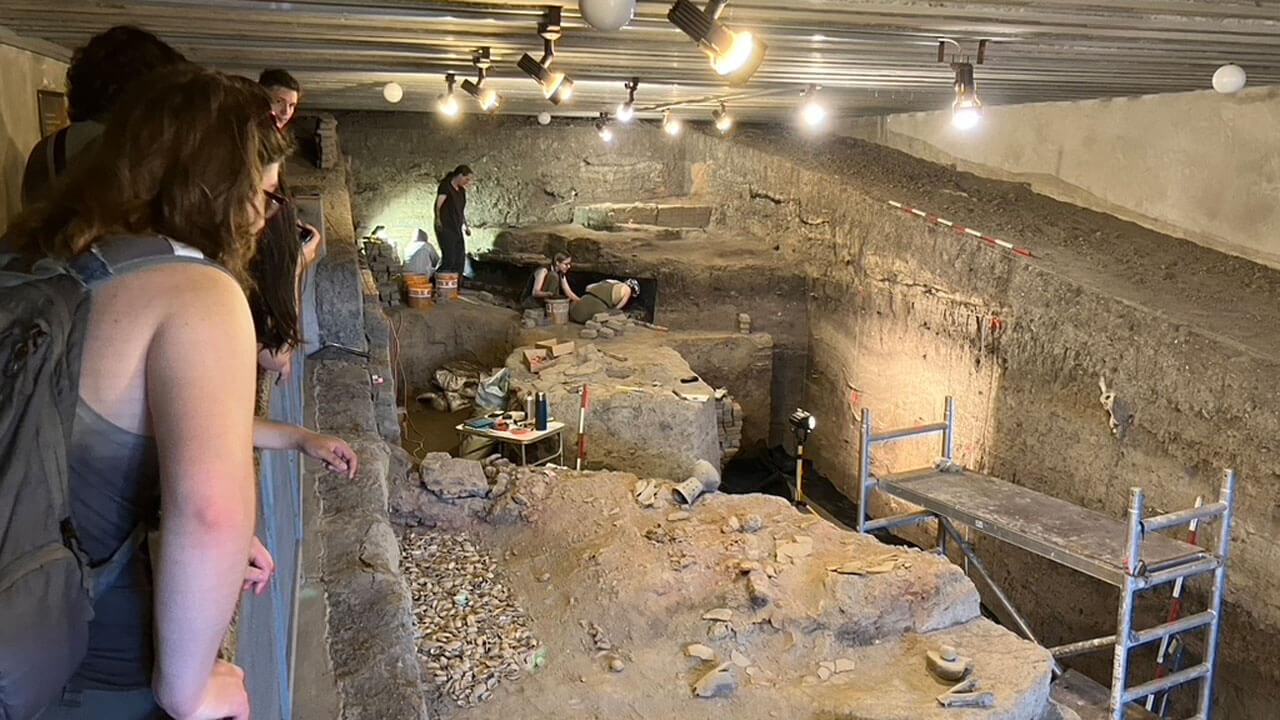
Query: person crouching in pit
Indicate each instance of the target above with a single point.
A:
(550, 282)
(602, 297)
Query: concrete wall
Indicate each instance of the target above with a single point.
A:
(1199, 165)
(22, 73)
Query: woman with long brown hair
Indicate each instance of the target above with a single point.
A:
(164, 425)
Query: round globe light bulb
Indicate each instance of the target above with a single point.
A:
(544, 118)
(625, 112)
(392, 92)
(608, 15)
(672, 126)
(813, 113)
(1229, 79)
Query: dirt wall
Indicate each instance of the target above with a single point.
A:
(904, 313)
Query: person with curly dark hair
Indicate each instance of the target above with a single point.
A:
(100, 73)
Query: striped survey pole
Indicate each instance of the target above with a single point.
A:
(582, 425)
(934, 219)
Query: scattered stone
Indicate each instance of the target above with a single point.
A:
(770, 570)
(616, 665)
(791, 551)
(718, 614)
(592, 325)
(733, 525)
(544, 577)
(589, 333)
(700, 651)
(471, 633)
(718, 682)
(844, 665)
(451, 478)
(605, 332)
(528, 323)
(646, 492)
(759, 589)
(601, 317)
(739, 659)
(947, 663)
(747, 566)
(824, 672)
(678, 515)
(753, 523)
(719, 630)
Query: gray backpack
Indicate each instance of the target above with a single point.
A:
(46, 584)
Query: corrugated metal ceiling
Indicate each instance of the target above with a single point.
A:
(871, 57)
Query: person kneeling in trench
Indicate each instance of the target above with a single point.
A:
(550, 283)
(602, 297)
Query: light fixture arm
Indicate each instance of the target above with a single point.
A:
(631, 87)
(715, 7)
(942, 51)
(450, 80)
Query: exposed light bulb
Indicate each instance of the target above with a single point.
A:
(605, 133)
(625, 112)
(965, 117)
(488, 100)
(448, 105)
(671, 124)
(544, 118)
(813, 113)
(392, 92)
(724, 121)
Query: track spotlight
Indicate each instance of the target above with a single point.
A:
(627, 110)
(447, 103)
(671, 124)
(812, 111)
(487, 98)
(723, 119)
(735, 55)
(602, 128)
(556, 86)
(966, 110)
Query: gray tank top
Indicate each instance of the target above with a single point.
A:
(114, 481)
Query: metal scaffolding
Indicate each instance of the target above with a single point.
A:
(1128, 554)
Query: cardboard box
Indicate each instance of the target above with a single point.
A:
(536, 358)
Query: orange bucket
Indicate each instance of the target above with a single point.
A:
(419, 291)
(447, 285)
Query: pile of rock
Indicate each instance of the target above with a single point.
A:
(606, 325)
(728, 424)
(471, 633)
(384, 264)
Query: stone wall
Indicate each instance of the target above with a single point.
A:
(526, 173)
(369, 631)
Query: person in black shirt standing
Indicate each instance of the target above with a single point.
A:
(451, 219)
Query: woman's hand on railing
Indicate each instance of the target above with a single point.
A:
(334, 452)
(261, 567)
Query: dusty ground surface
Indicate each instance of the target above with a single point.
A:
(614, 592)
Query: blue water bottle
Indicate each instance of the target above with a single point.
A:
(542, 412)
